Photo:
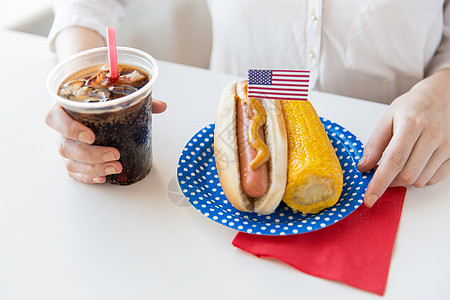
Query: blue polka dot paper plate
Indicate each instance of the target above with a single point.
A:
(199, 181)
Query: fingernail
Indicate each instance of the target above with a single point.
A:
(370, 200)
(85, 137)
(109, 156)
(110, 170)
(96, 180)
(362, 160)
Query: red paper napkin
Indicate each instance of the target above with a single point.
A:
(357, 250)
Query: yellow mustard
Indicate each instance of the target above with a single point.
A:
(258, 120)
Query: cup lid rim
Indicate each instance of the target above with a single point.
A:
(110, 104)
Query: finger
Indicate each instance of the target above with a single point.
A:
(443, 170)
(60, 121)
(418, 159)
(377, 143)
(158, 106)
(82, 152)
(396, 155)
(93, 170)
(87, 179)
(437, 160)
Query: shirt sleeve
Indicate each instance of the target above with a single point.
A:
(441, 58)
(92, 14)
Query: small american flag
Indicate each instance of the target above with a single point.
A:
(278, 84)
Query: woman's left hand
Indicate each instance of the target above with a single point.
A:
(413, 137)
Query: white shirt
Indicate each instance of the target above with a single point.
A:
(375, 50)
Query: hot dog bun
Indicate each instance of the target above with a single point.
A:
(227, 156)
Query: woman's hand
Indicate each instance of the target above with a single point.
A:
(85, 162)
(414, 135)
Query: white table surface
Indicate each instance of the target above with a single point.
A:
(60, 239)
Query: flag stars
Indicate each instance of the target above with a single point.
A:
(262, 77)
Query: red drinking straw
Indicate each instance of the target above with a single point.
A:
(112, 52)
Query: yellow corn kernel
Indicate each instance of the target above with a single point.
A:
(314, 173)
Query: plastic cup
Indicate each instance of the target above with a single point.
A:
(124, 123)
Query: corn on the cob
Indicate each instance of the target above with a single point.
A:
(314, 173)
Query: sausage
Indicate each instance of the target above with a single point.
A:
(255, 183)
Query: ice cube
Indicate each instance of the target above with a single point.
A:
(129, 78)
(105, 69)
(91, 92)
(99, 79)
(92, 100)
(122, 90)
(69, 88)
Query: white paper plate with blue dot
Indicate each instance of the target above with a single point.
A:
(198, 179)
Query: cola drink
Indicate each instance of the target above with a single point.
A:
(94, 84)
(118, 111)
(129, 129)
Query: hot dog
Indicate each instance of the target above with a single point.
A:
(252, 179)
(254, 176)
(269, 150)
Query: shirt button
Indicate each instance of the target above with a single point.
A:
(314, 18)
(311, 54)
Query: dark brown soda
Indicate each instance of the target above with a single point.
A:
(128, 130)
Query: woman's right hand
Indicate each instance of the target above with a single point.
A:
(85, 162)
